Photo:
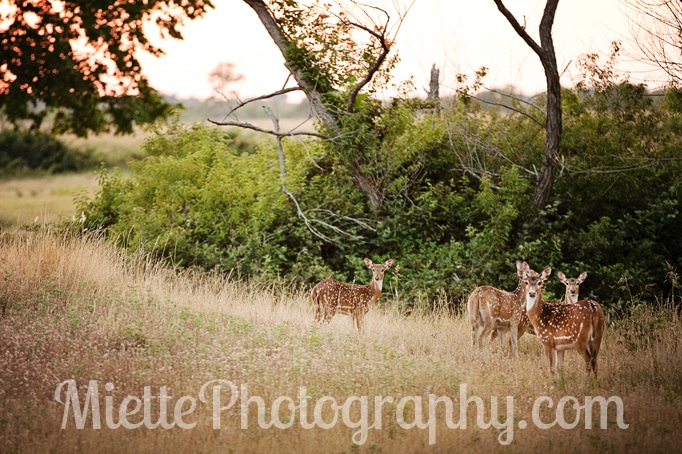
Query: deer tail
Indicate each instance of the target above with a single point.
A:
(473, 306)
(598, 325)
(315, 296)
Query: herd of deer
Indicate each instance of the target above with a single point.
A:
(571, 324)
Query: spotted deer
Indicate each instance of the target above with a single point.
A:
(572, 286)
(560, 327)
(331, 296)
(497, 312)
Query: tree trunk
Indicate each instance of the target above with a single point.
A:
(314, 97)
(330, 116)
(553, 126)
(434, 84)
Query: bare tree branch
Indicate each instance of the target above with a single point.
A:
(313, 67)
(518, 28)
(272, 132)
(657, 27)
(516, 98)
(241, 104)
(385, 49)
(362, 223)
(378, 32)
(470, 158)
(512, 108)
(283, 174)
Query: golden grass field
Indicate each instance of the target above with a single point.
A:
(76, 308)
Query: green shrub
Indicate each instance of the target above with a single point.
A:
(25, 152)
(199, 201)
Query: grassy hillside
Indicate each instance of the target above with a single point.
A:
(78, 309)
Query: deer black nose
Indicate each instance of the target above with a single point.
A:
(531, 294)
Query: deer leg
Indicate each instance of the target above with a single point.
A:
(590, 358)
(505, 347)
(358, 321)
(501, 334)
(474, 337)
(588, 362)
(559, 359)
(328, 313)
(323, 310)
(318, 312)
(513, 337)
(594, 364)
(549, 353)
(487, 328)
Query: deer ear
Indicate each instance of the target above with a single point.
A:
(546, 273)
(369, 263)
(521, 268)
(389, 263)
(561, 276)
(582, 277)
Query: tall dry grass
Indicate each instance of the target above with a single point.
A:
(78, 308)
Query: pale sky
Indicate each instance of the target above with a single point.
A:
(458, 36)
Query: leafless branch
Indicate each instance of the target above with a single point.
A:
(516, 98)
(553, 129)
(379, 33)
(241, 104)
(271, 25)
(472, 158)
(518, 28)
(385, 49)
(512, 108)
(283, 173)
(276, 133)
(361, 222)
(641, 163)
(657, 25)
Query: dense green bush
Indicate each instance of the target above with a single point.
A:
(454, 190)
(23, 152)
(200, 201)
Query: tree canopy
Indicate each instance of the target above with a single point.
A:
(77, 60)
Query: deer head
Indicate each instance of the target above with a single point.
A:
(572, 285)
(378, 272)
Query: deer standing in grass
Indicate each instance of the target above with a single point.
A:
(560, 327)
(572, 286)
(331, 296)
(497, 312)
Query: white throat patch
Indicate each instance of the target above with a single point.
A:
(530, 301)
